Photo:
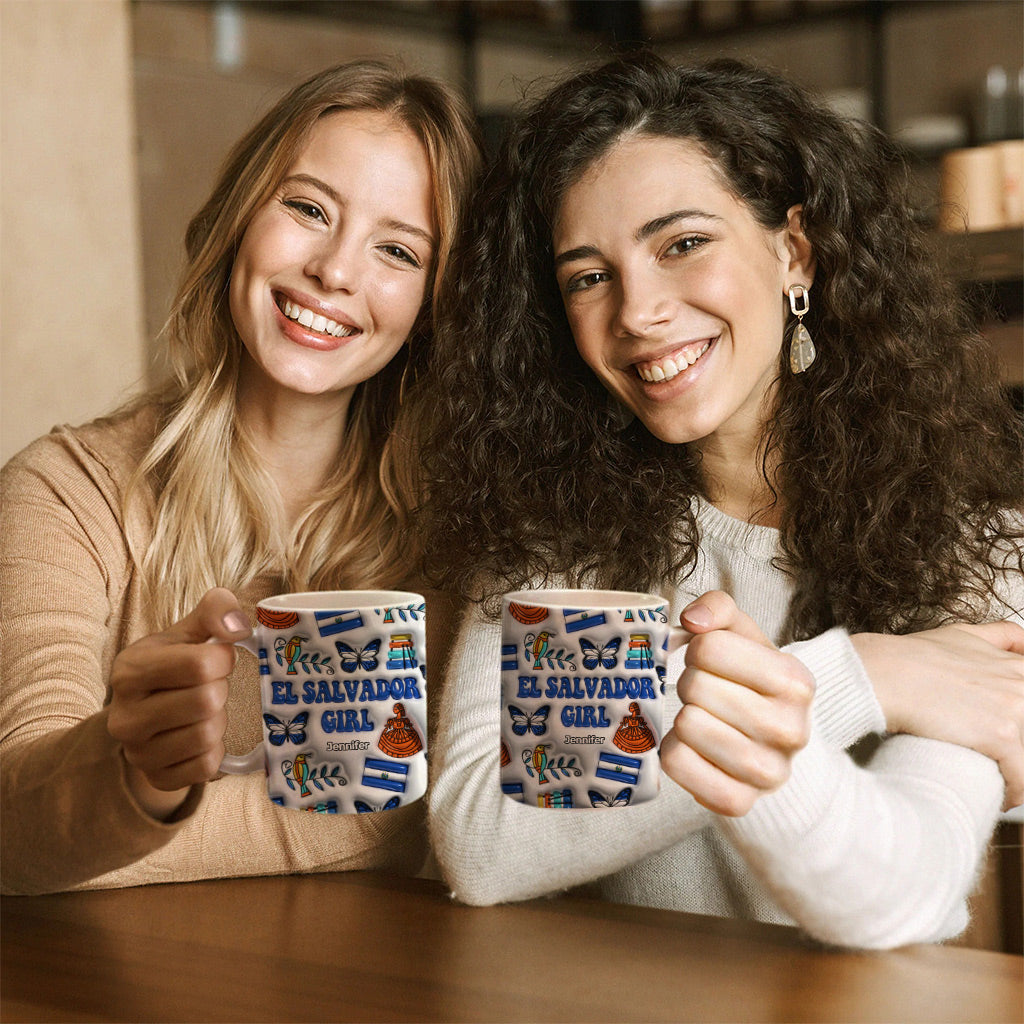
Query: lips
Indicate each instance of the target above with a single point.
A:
(313, 321)
(666, 367)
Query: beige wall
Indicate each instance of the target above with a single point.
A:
(71, 343)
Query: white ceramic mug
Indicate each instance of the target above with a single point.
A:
(582, 696)
(343, 691)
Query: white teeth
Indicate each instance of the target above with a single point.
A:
(667, 368)
(314, 321)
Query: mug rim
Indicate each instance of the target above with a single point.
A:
(337, 600)
(583, 598)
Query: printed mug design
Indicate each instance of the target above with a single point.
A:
(289, 652)
(290, 730)
(343, 693)
(582, 703)
(537, 763)
(541, 652)
(358, 659)
(299, 775)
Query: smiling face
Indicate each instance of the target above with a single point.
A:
(674, 291)
(332, 270)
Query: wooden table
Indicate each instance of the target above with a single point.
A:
(367, 947)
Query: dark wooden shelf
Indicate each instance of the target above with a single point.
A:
(987, 257)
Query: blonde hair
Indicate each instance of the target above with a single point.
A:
(218, 518)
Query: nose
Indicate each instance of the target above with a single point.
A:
(644, 304)
(337, 264)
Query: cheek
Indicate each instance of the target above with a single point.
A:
(244, 272)
(398, 303)
(237, 304)
(584, 332)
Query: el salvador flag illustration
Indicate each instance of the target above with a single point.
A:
(618, 768)
(330, 623)
(382, 774)
(514, 790)
(577, 619)
(509, 658)
(264, 663)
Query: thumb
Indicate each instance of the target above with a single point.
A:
(218, 616)
(717, 610)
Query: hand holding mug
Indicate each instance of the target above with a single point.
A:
(168, 693)
(746, 710)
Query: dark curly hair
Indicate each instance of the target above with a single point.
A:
(899, 458)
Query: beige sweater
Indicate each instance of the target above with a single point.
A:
(70, 600)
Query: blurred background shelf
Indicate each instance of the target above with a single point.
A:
(990, 267)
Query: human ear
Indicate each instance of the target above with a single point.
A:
(801, 255)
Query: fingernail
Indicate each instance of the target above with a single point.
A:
(699, 615)
(235, 622)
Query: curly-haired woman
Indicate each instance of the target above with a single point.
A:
(273, 460)
(699, 347)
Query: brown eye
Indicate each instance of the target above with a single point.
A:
(399, 253)
(308, 210)
(586, 281)
(682, 246)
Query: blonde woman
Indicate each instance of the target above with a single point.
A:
(272, 460)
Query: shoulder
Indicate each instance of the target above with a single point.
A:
(74, 480)
(104, 452)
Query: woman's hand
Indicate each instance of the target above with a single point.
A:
(167, 702)
(746, 710)
(960, 683)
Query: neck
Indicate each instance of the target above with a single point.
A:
(734, 476)
(297, 438)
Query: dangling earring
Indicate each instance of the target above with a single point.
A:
(801, 350)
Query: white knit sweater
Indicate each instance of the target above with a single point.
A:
(873, 857)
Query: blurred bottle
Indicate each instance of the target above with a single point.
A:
(1000, 107)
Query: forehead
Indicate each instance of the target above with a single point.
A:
(642, 175)
(370, 151)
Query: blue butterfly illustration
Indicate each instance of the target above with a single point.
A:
(535, 723)
(619, 800)
(606, 657)
(364, 808)
(291, 730)
(353, 658)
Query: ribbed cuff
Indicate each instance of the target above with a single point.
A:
(845, 706)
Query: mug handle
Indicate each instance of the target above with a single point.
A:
(243, 764)
(677, 637)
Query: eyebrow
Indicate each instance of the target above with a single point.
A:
(335, 197)
(642, 234)
(652, 227)
(582, 252)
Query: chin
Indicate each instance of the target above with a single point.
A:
(671, 433)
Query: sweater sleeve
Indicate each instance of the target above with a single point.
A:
(879, 856)
(845, 707)
(66, 808)
(492, 849)
(69, 819)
